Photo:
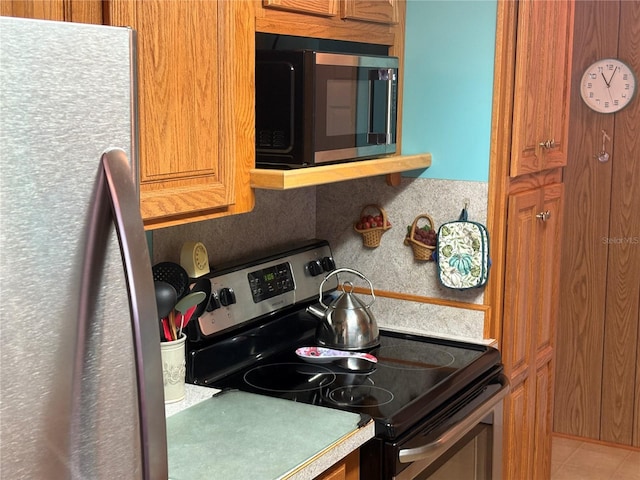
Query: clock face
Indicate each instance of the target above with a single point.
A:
(608, 85)
(200, 257)
(194, 259)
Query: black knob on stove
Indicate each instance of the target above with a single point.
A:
(227, 296)
(315, 268)
(214, 302)
(328, 264)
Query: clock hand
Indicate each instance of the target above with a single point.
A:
(604, 78)
(614, 72)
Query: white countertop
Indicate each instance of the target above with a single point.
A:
(222, 436)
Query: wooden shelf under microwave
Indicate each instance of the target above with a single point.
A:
(305, 177)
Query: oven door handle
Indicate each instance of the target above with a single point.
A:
(455, 433)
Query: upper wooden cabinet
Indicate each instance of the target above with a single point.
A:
(542, 86)
(85, 11)
(368, 21)
(196, 106)
(377, 11)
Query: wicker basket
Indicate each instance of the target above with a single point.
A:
(371, 236)
(420, 250)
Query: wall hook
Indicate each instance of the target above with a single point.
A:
(603, 156)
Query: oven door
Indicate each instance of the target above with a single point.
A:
(355, 106)
(467, 446)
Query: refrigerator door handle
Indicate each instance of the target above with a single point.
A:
(116, 200)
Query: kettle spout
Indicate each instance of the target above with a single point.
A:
(317, 310)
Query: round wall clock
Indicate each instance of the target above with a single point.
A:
(194, 259)
(608, 85)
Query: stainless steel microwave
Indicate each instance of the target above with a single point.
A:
(314, 108)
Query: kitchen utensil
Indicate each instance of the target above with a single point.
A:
(166, 298)
(186, 317)
(356, 364)
(201, 285)
(325, 355)
(190, 300)
(174, 275)
(166, 329)
(347, 322)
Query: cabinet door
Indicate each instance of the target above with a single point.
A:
(378, 11)
(557, 57)
(521, 280)
(347, 469)
(547, 264)
(517, 431)
(542, 86)
(531, 298)
(191, 103)
(326, 8)
(82, 11)
(541, 454)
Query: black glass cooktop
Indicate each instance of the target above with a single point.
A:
(413, 376)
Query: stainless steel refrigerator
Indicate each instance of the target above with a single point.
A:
(81, 392)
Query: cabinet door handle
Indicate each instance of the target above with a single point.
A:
(544, 216)
(548, 143)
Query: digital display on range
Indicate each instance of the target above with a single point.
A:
(270, 282)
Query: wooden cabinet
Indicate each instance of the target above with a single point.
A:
(376, 11)
(367, 21)
(347, 469)
(85, 11)
(529, 149)
(542, 86)
(196, 106)
(531, 297)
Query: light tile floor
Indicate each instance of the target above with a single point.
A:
(576, 460)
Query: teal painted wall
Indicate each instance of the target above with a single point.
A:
(448, 86)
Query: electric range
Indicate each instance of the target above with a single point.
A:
(419, 389)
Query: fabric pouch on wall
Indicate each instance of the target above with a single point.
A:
(463, 253)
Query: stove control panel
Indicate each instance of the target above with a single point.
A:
(271, 281)
(263, 286)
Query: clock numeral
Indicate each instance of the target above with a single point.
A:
(590, 94)
(626, 86)
(593, 76)
(606, 105)
(589, 85)
(625, 76)
(616, 102)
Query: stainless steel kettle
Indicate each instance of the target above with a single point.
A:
(347, 322)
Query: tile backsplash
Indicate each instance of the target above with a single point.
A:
(328, 212)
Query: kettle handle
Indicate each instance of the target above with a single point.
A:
(354, 272)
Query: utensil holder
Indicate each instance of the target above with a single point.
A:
(371, 236)
(173, 369)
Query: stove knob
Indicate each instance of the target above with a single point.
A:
(214, 302)
(328, 264)
(227, 296)
(315, 268)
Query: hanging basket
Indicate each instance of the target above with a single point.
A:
(371, 236)
(421, 251)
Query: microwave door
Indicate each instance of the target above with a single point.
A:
(355, 111)
(381, 111)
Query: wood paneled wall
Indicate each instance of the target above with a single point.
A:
(597, 393)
